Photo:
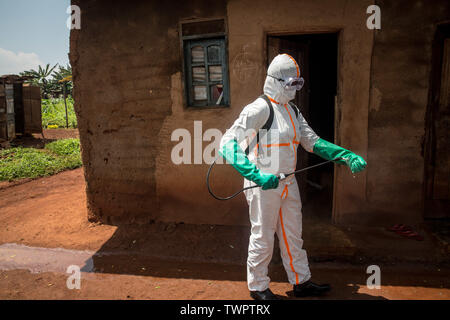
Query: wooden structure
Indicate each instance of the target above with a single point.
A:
(20, 107)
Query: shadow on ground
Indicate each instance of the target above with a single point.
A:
(219, 253)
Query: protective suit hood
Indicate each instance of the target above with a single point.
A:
(282, 66)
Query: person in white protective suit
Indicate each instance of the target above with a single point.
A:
(276, 207)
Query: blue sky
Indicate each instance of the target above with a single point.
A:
(32, 33)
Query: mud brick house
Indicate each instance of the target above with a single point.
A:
(143, 69)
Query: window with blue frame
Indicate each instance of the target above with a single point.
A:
(206, 71)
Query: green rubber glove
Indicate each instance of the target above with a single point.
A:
(237, 158)
(330, 151)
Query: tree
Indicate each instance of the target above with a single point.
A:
(63, 76)
(40, 78)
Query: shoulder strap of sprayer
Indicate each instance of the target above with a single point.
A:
(265, 127)
(295, 108)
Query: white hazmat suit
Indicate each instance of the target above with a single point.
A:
(275, 210)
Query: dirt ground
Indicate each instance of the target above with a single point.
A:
(38, 140)
(162, 261)
(49, 212)
(348, 283)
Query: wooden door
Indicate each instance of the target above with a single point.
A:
(3, 127)
(32, 109)
(10, 121)
(437, 142)
(18, 107)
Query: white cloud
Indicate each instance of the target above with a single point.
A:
(13, 63)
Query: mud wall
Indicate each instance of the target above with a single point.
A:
(128, 80)
(401, 67)
(127, 75)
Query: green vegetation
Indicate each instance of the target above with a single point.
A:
(16, 163)
(64, 147)
(54, 113)
(55, 84)
(51, 80)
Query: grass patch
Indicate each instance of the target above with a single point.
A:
(64, 147)
(54, 113)
(16, 163)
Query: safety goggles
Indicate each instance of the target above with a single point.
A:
(291, 83)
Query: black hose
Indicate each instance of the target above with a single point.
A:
(310, 167)
(255, 186)
(225, 198)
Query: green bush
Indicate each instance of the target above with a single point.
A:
(21, 162)
(64, 147)
(54, 112)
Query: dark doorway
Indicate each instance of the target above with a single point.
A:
(18, 108)
(437, 142)
(316, 55)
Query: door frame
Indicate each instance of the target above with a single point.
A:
(338, 97)
(429, 152)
